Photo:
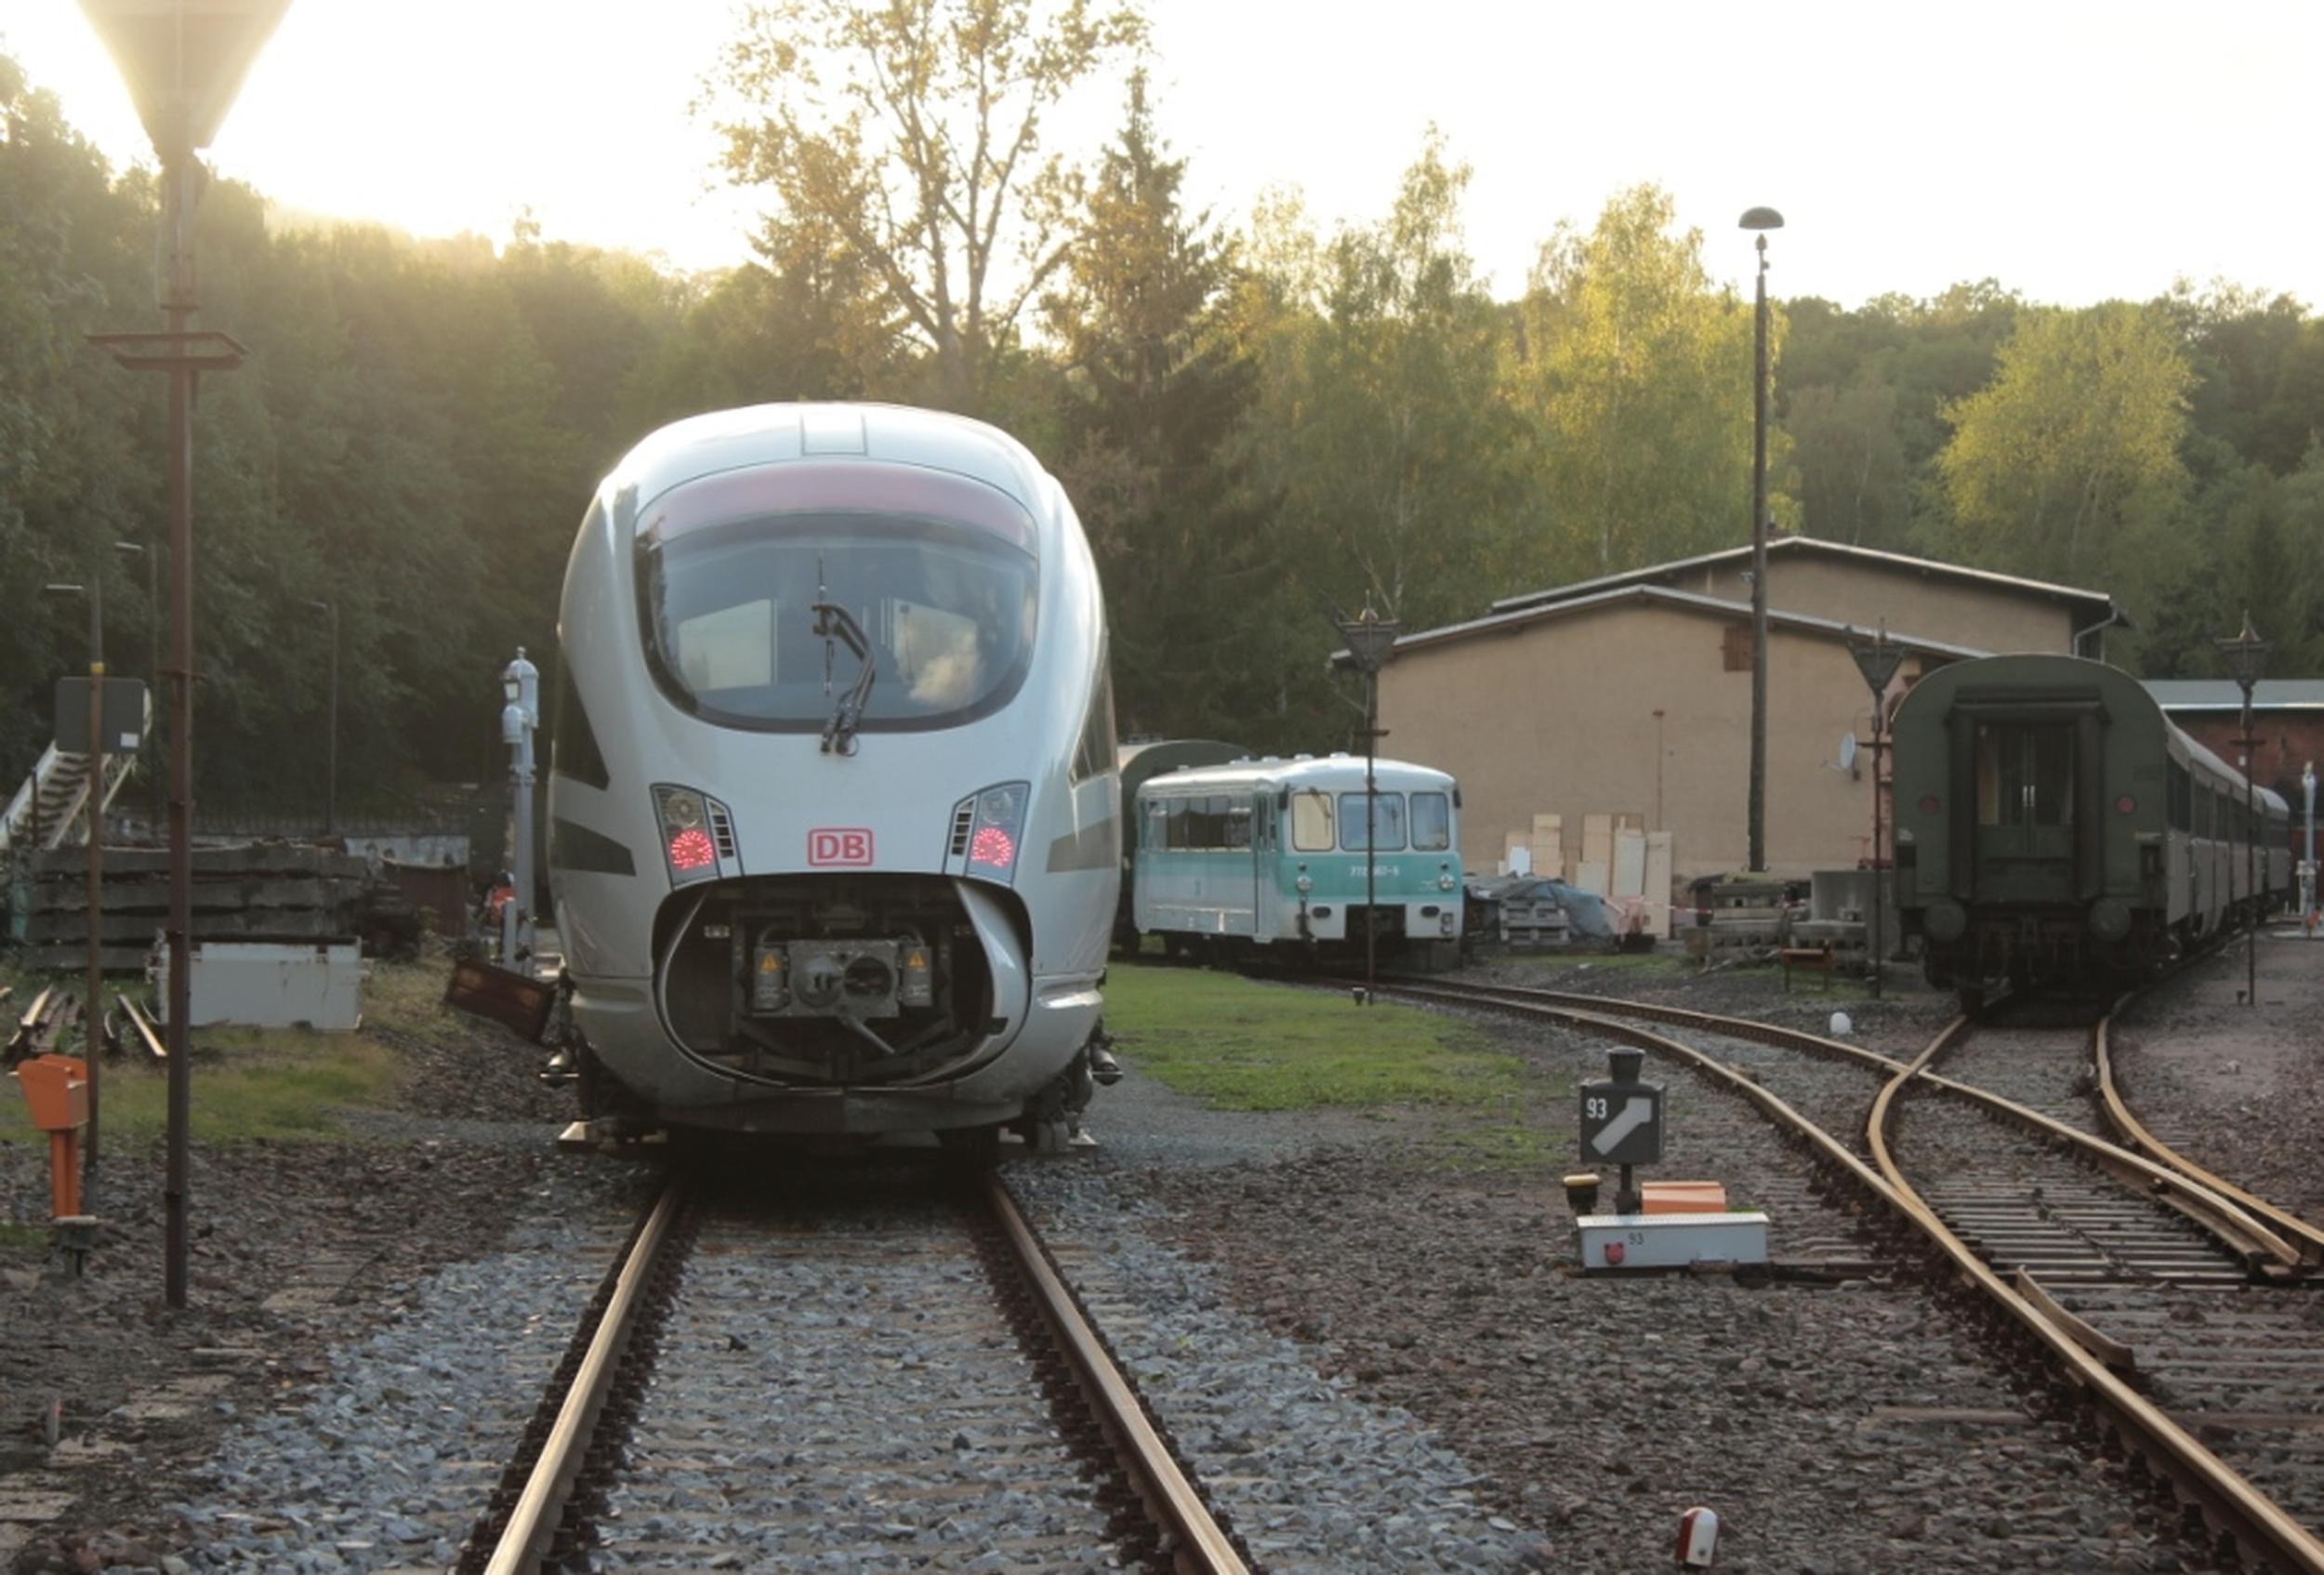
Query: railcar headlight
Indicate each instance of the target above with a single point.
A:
(1445, 882)
(994, 836)
(687, 846)
(1303, 885)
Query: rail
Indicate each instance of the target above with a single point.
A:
(525, 1543)
(1198, 1544)
(2127, 1127)
(2230, 1503)
(2266, 1251)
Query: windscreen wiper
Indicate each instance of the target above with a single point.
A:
(835, 622)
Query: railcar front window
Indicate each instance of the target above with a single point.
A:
(1431, 822)
(947, 611)
(1311, 823)
(1387, 837)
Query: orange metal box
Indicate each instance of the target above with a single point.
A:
(1684, 1197)
(56, 1089)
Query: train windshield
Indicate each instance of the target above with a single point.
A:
(1385, 838)
(945, 609)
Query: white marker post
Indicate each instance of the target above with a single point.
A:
(1698, 1538)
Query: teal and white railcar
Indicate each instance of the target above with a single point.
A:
(1272, 853)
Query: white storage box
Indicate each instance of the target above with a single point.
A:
(1671, 1241)
(270, 985)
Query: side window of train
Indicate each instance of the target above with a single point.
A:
(1311, 822)
(1431, 822)
(573, 749)
(1238, 824)
(2181, 786)
(1095, 754)
(1174, 835)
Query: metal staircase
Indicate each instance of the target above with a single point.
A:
(51, 809)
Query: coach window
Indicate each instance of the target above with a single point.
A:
(1431, 822)
(2180, 790)
(1311, 822)
(1238, 824)
(1387, 837)
(1176, 835)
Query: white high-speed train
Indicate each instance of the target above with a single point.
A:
(833, 834)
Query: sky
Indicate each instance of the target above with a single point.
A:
(2075, 153)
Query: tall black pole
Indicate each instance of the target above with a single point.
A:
(1758, 569)
(153, 675)
(331, 785)
(1371, 830)
(1872, 963)
(93, 1017)
(178, 179)
(2250, 862)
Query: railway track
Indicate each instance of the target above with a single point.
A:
(2183, 1321)
(896, 1378)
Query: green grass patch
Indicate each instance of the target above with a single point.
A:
(1244, 1045)
(248, 1084)
(242, 1092)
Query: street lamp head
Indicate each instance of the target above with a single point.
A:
(1759, 219)
(60, 591)
(2246, 657)
(1370, 639)
(130, 548)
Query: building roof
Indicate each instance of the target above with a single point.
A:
(1687, 601)
(2098, 603)
(2222, 694)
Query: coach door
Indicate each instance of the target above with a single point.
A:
(2028, 794)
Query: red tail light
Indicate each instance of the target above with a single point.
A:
(2125, 804)
(1928, 804)
(993, 847)
(691, 850)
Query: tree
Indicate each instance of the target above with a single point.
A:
(1849, 461)
(1155, 395)
(909, 132)
(2072, 451)
(1637, 373)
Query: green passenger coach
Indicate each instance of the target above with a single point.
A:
(2051, 822)
(1274, 852)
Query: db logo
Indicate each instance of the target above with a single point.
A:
(845, 846)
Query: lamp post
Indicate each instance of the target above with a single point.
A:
(93, 1008)
(1370, 640)
(152, 666)
(1762, 219)
(2307, 865)
(520, 687)
(331, 778)
(2246, 655)
(182, 64)
(1876, 659)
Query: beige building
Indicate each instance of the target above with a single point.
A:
(1630, 697)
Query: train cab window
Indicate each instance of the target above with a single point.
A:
(1431, 822)
(935, 575)
(2025, 774)
(1311, 822)
(1386, 838)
